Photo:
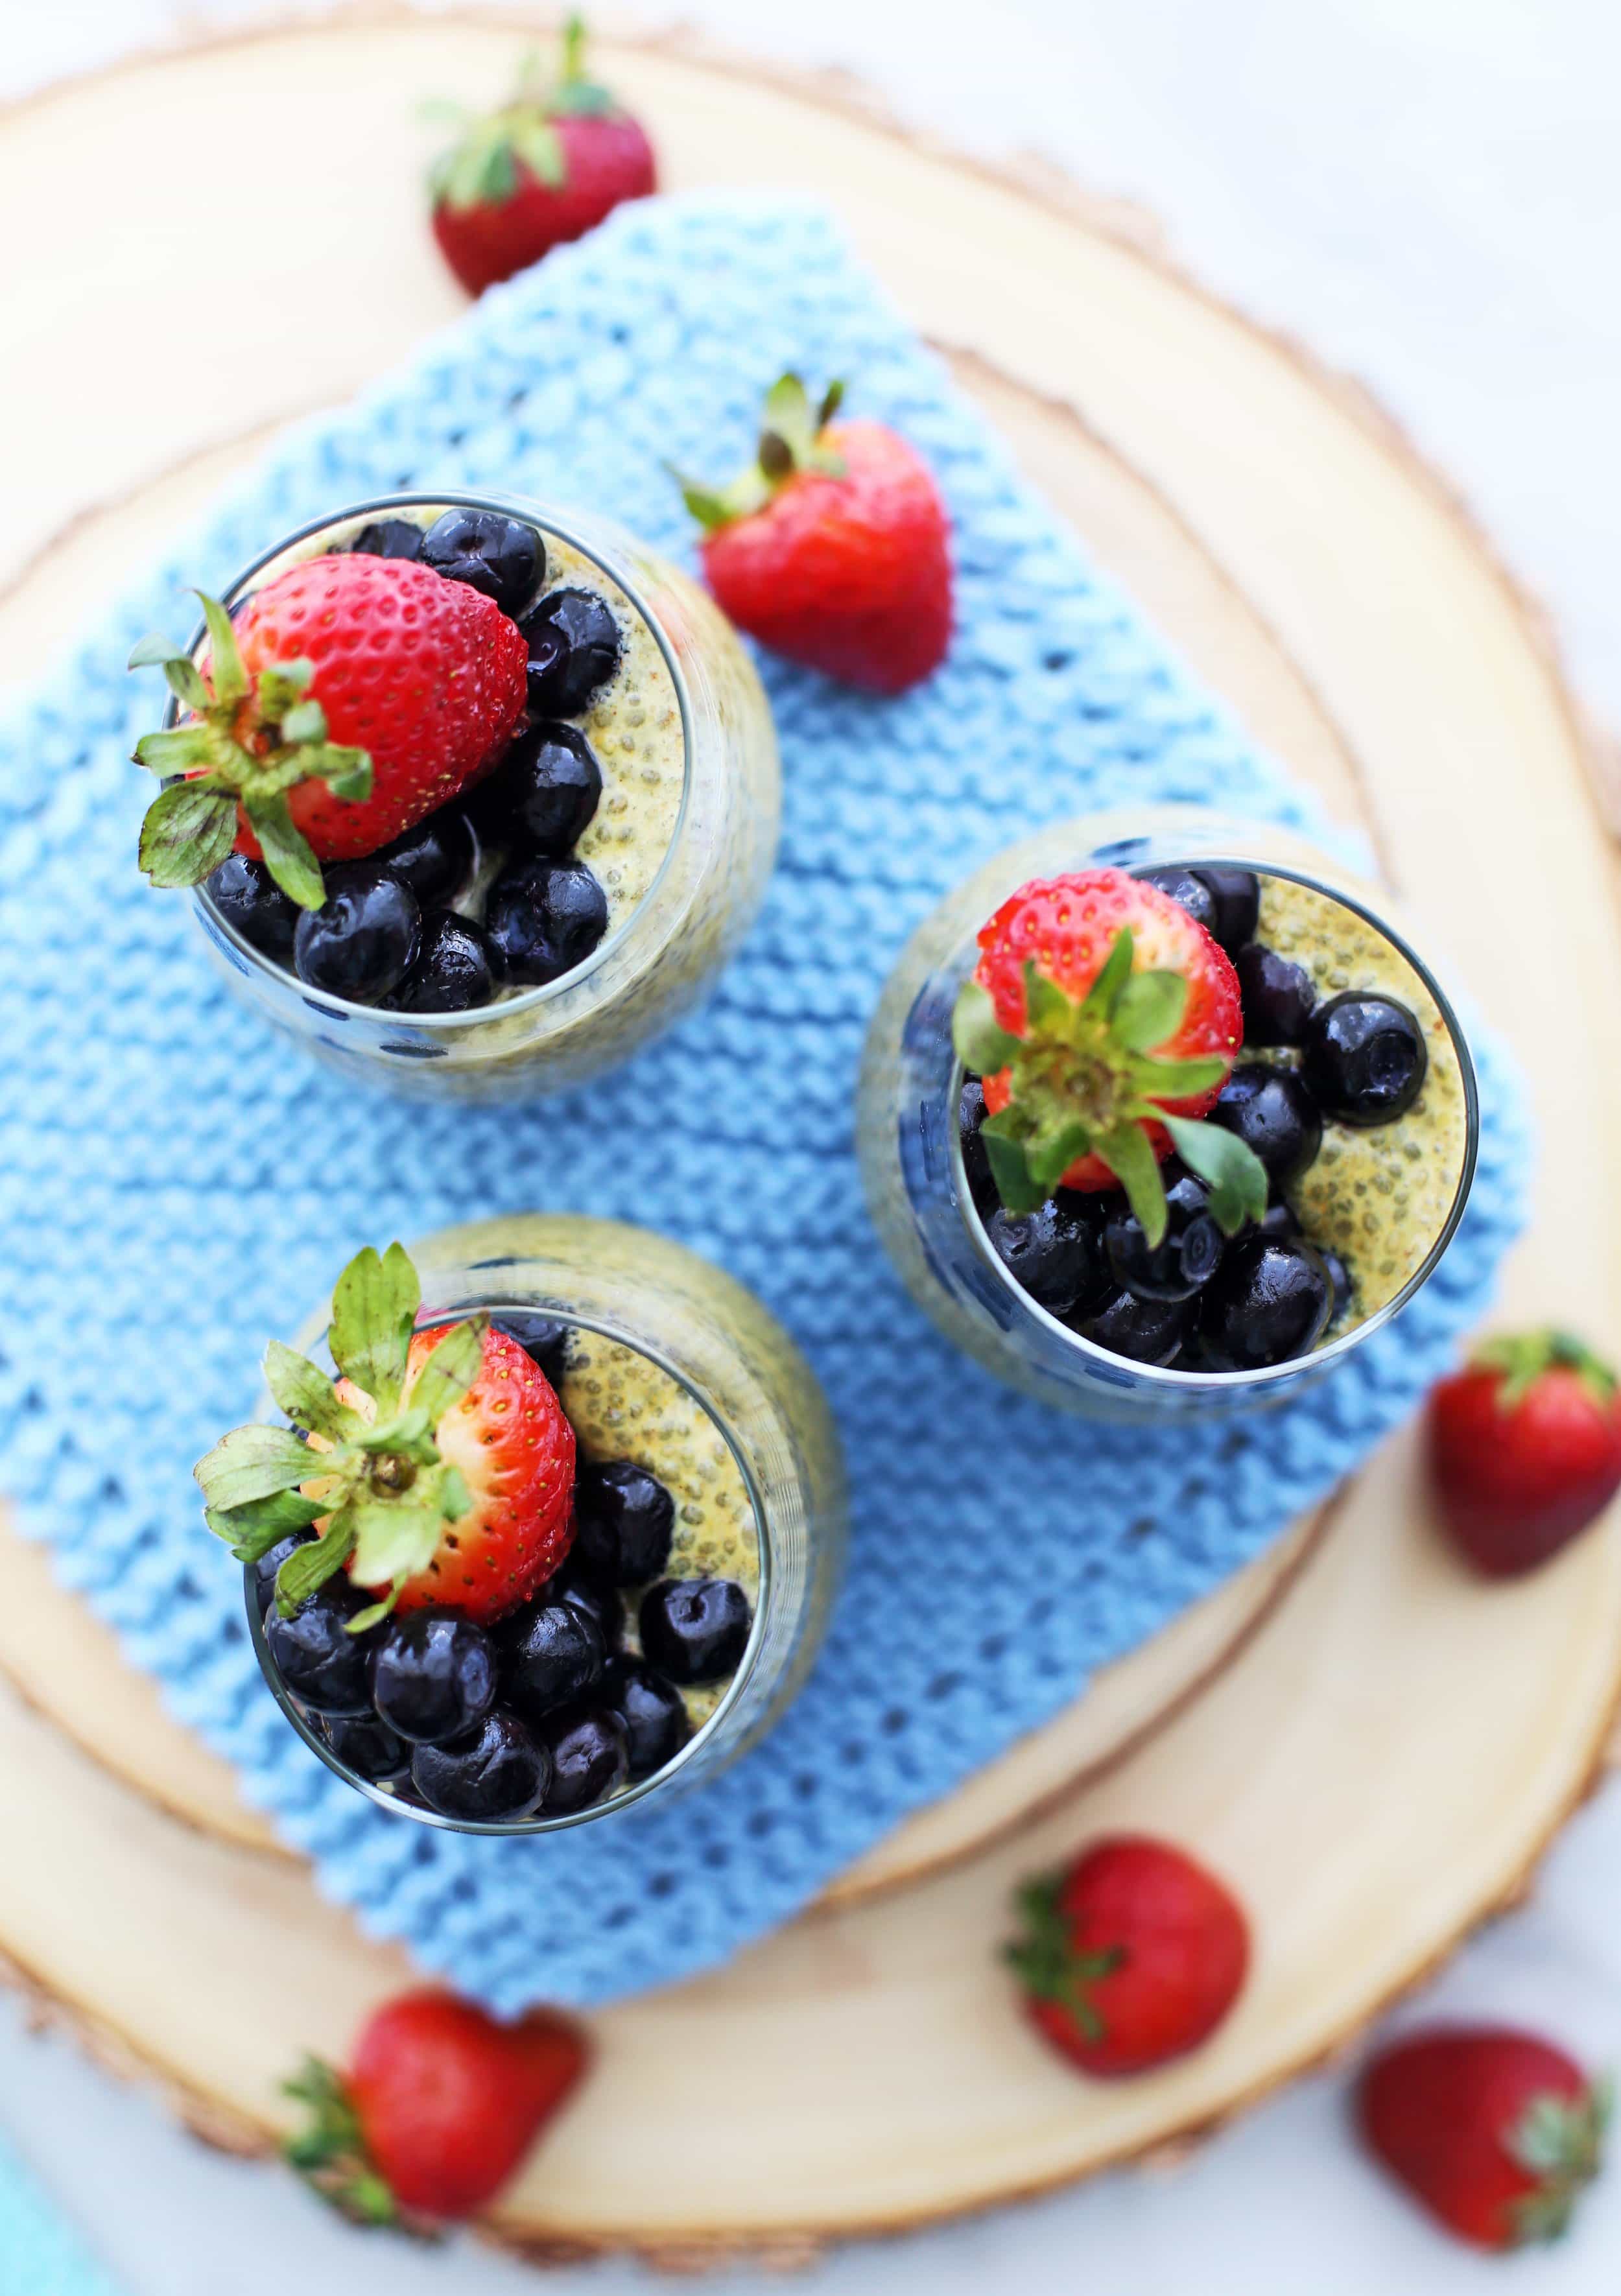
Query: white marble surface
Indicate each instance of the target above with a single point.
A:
(1428, 192)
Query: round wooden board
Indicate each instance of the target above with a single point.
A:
(865, 2070)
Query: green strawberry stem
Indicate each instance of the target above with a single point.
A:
(329, 2152)
(481, 168)
(790, 442)
(1083, 1079)
(247, 742)
(1523, 1357)
(1558, 2140)
(375, 1474)
(1046, 1962)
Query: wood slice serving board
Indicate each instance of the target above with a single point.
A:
(1396, 1744)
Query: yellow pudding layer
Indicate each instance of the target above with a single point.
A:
(623, 1405)
(1379, 1197)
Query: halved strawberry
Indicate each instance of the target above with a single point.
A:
(446, 1465)
(352, 696)
(1104, 1020)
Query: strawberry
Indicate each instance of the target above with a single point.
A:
(1525, 1449)
(546, 168)
(832, 548)
(1131, 1957)
(1494, 2131)
(446, 1465)
(438, 2108)
(352, 696)
(1104, 1020)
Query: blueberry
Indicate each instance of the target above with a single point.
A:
(1278, 1220)
(976, 1160)
(600, 1603)
(551, 1655)
(435, 857)
(1237, 895)
(545, 792)
(1364, 1058)
(544, 918)
(545, 1343)
(318, 1659)
(1054, 1253)
(271, 1562)
(655, 1720)
(364, 941)
(574, 645)
(388, 538)
(368, 1747)
(1187, 1257)
(1147, 1331)
(695, 1629)
(590, 1754)
(494, 1776)
(1188, 891)
(624, 1517)
(1278, 995)
(433, 1676)
(499, 555)
(1272, 1112)
(453, 972)
(1269, 1301)
(248, 897)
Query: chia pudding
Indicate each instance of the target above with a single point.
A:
(536, 872)
(605, 1568)
(1163, 1118)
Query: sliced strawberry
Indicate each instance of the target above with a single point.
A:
(1104, 1020)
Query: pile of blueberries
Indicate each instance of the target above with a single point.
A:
(389, 933)
(1199, 1301)
(543, 1714)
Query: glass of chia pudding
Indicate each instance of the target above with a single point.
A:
(589, 798)
(1161, 1113)
(590, 1565)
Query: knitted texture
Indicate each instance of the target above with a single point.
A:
(176, 1185)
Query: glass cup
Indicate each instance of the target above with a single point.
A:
(912, 1158)
(654, 961)
(699, 1326)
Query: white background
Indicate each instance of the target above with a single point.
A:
(1428, 192)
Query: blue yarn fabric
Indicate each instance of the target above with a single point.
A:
(176, 1185)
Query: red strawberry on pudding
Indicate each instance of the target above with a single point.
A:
(500, 1570)
(833, 547)
(1494, 2130)
(548, 166)
(438, 2110)
(1130, 1956)
(1525, 1450)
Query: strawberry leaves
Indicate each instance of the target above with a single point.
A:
(1559, 2141)
(1048, 1965)
(329, 2152)
(1523, 1357)
(371, 1476)
(791, 442)
(247, 743)
(1084, 1079)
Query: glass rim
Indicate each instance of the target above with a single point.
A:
(1227, 1382)
(527, 1000)
(640, 1790)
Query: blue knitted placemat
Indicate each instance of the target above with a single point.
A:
(176, 1185)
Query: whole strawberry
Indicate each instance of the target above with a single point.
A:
(1103, 1020)
(438, 2108)
(1494, 2131)
(1525, 1449)
(1131, 1957)
(834, 548)
(546, 168)
(351, 697)
(438, 1468)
